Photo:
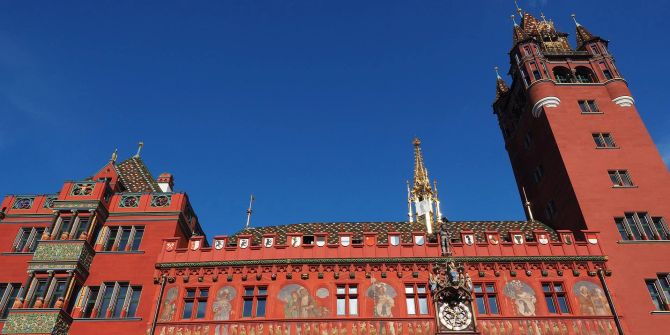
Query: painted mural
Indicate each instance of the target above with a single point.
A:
(383, 296)
(523, 297)
(547, 327)
(222, 307)
(591, 298)
(299, 303)
(169, 307)
(420, 327)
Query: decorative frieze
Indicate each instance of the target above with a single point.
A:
(37, 321)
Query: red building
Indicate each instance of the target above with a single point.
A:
(121, 253)
(579, 148)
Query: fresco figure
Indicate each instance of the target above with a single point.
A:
(591, 298)
(383, 296)
(222, 307)
(523, 297)
(169, 307)
(298, 303)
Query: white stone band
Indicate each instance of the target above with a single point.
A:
(624, 101)
(545, 102)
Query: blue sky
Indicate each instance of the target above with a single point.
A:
(310, 105)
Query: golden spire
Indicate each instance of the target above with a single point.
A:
(421, 187)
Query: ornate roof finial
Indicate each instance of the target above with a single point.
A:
(409, 203)
(526, 204)
(514, 20)
(518, 9)
(544, 19)
(497, 73)
(115, 155)
(501, 86)
(139, 149)
(421, 182)
(574, 18)
(251, 202)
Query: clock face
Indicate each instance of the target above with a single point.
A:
(456, 318)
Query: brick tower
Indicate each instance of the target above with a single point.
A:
(586, 161)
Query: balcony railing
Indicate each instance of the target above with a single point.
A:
(62, 255)
(37, 321)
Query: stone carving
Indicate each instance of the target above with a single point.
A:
(451, 288)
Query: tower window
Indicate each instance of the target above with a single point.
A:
(659, 289)
(639, 226)
(584, 75)
(486, 298)
(347, 299)
(536, 71)
(588, 106)
(554, 296)
(562, 75)
(620, 178)
(604, 140)
(551, 209)
(538, 173)
(596, 50)
(605, 70)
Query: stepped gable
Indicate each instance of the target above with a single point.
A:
(383, 228)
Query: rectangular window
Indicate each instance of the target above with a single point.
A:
(254, 301)
(538, 173)
(58, 287)
(604, 140)
(195, 303)
(26, 239)
(347, 299)
(8, 293)
(659, 289)
(416, 299)
(620, 178)
(554, 296)
(588, 106)
(123, 238)
(639, 226)
(535, 71)
(111, 300)
(551, 209)
(486, 298)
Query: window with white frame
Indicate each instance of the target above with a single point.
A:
(111, 300)
(620, 178)
(640, 226)
(26, 239)
(121, 238)
(347, 299)
(8, 293)
(416, 299)
(659, 289)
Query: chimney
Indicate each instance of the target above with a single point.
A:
(165, 182)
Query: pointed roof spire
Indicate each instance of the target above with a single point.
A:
(421, 182)
(582, 35)
(501, 86)
(518, 9)
(518, 34)
(139, 149)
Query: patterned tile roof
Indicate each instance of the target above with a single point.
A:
(382, 228)
(136, 177)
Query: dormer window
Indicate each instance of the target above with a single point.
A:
(308, 240)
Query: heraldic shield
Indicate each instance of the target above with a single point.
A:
(451, 288)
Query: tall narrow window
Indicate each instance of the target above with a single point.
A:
(527, 140)
(659, 289)
(123, 238)
(347, 299)
(110, 300)
(195, 303)
(551, 209)
(554, 296)
(8, 293)
(606, 71)
(486, 298)
(639, 226)
(536, 71)
(39, 289)
(604, 140)
(58, 291)
(620, 178)
(538, 173)
(26, 239)
(416, 299)
(254, 301)
(588, 106)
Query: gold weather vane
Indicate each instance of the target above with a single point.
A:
(139, 149)
(249, 210)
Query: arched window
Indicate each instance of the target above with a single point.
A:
(562, 75)
(584, 75)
